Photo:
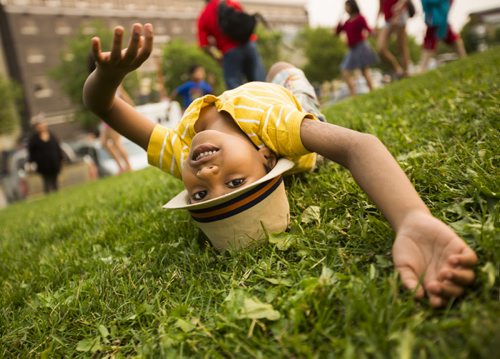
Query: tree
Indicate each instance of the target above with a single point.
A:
(73, 70)
(178, 56)
(9, 118)
(323, 51)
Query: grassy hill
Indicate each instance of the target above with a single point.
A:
(102, 270)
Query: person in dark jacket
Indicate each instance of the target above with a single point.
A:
(44, 150)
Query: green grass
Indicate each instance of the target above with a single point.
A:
(101, 270)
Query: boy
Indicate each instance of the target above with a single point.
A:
(228, 150)
(194, 88)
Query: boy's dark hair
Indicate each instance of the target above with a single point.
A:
(354, 6)
(193, 68)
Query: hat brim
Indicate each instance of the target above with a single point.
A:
(181, 201)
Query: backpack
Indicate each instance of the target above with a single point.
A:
(235, 24)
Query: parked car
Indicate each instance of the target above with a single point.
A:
(167, 113)
(106, 165)
(18, 182)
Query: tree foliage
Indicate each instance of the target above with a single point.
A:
(178, 56)
(73, 69)
(10, 94)
(270, 45)
(323, 52)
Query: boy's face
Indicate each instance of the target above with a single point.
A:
(220, 163)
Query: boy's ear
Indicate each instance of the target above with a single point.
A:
(269, 156)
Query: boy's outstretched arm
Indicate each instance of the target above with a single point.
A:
(111, 67)
(426, 250)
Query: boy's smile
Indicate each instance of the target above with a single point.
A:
(219, 163)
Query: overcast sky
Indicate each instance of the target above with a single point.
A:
(328, 12)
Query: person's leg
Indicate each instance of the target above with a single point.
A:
(429, 47)
(116, 141)
(383, 49)
(232, 65)
(106, 143)
(404, 50)
(252, 65)
(53, 185)
(46, 183)
(460, 48)
(294, 80)
(348, 77)
(368, 77)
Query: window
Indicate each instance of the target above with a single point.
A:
(29, 27)
(35, 56)
(41, 88)
(62, 27)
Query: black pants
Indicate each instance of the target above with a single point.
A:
(50, 182)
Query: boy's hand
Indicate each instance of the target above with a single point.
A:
(429, 251)
(118, 62)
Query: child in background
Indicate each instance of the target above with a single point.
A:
(360, 55)
(194, 88)
(230, 152)
(438, 28)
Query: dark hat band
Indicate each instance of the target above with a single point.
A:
(237, 204)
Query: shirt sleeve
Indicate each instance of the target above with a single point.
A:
(202, 31)
(365, 24)
(339, 28)
(164, 148)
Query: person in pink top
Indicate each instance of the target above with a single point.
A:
(360, 55)
(396, 15)
(240, 61)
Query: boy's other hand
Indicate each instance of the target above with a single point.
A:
(431, 258)
(118, 62)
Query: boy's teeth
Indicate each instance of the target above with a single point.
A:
(204, 154)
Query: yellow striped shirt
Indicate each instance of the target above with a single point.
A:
(269, 114)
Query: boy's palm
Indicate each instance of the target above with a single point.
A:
(428, 253)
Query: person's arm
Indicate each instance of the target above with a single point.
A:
(340, 27)
(101, 85)
(424, 245)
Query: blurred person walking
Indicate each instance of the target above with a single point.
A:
(239, 59)
(44, 150)
(396, 13)
(360, 55)
(438, 28)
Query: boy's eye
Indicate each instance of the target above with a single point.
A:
(235, 183)
(198, 196)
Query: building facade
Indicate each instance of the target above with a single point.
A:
(34, 34)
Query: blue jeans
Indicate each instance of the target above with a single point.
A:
(242, 61)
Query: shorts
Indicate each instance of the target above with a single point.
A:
(431, 39)
(294, 80)
(403, 19)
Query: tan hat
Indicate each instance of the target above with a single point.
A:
(241, 217)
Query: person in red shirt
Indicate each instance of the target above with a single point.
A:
(360, 55)
(396, 15)
(239, 60)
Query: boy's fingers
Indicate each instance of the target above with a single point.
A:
(458, 276)
(445, 289)
(117, 44)
(96, 47)
(146, 42)
(410, 281)
(467, 258)
(134, 42)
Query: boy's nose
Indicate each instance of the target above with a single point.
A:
(208, 170)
